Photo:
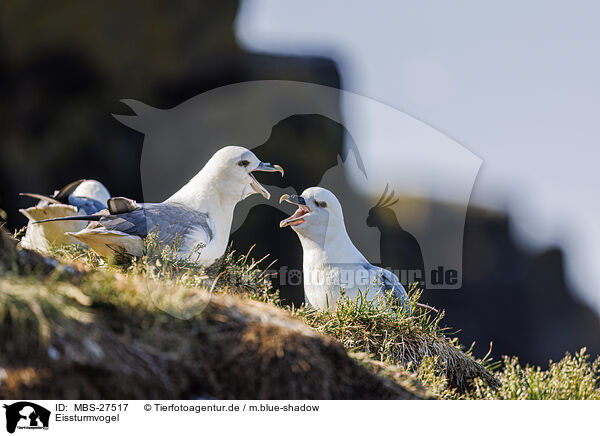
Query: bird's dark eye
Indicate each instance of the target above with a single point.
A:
(321, 203)
(243, 163)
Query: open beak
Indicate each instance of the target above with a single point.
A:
(47, 198)
(299, 215)
(267, 167)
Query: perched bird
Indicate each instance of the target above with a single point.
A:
(82, 197)
(197, 218)
(331, 262)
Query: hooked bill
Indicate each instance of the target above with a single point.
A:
(298, 216)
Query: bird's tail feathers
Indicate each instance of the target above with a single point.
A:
(40, 197)
(38, 213)
(72, 218)
(108, 243)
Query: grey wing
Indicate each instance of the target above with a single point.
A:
(390, 282)
(132, 223)
(169, 221)
(174, 221)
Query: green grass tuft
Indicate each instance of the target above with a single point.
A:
(572, 378)
(391, 334)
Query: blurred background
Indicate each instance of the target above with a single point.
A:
(516, 84)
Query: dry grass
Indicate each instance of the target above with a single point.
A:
(112, 334)
(74, 326)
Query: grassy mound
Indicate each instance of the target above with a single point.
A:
(74, 327)
(113, 334)
(392, 335)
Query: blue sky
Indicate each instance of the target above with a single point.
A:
(516, 83)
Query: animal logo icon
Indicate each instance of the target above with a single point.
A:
(26, 415)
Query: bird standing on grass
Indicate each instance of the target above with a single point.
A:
(197, 218)
(331, 262)
(82, 197)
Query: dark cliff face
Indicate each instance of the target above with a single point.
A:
(66, 65)
(518, 299)
(61, 78)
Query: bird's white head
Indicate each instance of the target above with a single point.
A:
(319, 214)
(92, 189)
(229, 171)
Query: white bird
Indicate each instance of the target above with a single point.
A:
(331, 262)
(82, 197)
(197, 218)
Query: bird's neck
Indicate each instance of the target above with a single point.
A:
(333, 248)
(205, 193)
